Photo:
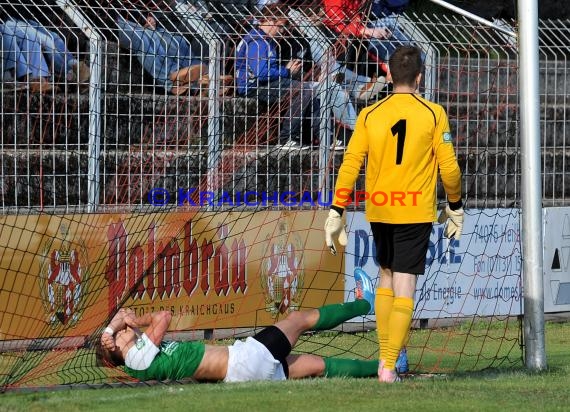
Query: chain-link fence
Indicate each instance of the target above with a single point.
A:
(98, 121)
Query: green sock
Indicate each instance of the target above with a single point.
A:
(333, 315)
(354, 368)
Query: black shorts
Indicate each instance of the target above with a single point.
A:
(402, 248)
(277, 343)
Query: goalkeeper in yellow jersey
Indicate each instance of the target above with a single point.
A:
(404, 139)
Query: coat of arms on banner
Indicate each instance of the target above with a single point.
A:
(282, 271)
(63, 278)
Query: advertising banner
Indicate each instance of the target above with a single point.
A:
(63, 275)
(556, 257)
(478, 275)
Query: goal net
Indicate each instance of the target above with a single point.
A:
(127, 189)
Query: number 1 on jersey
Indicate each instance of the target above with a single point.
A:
(399, 130)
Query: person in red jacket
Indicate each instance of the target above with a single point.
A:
(349, 17)
(376, 23)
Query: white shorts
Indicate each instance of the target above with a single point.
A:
(141, 354)
(252, 361)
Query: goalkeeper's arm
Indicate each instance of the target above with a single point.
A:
(354, 156)
(451, 179)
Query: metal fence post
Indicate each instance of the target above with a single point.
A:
(94, 145)
(324, 58)
(214, 127)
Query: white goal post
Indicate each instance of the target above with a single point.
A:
(531, 190)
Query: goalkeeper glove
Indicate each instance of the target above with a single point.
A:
(455, 224)
(334, 228)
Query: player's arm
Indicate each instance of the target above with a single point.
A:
(447, 161)
(156, 324)
(140, 357)
(117, 323)
(450, 176)
(356, 151)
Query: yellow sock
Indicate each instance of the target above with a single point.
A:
(383, 309)
(399, 327)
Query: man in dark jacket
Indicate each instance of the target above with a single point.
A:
(261, 74)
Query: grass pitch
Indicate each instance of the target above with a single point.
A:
(503, 388)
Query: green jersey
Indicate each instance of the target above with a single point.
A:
(176, 360)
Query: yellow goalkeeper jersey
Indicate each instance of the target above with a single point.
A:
(405, 139)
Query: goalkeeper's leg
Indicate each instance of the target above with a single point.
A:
(398, 324)
(383, 309)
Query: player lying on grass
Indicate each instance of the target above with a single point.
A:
(265, 356)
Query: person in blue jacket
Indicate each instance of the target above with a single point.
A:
(260, 73)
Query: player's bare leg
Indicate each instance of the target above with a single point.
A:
(305, 365)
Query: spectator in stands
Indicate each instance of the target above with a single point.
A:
(265, 356)
(15, 63)
(385, 14)
(335, 97)
(259, 73)
(349, 18)
(360, 88)
(167, 57)
(39, 56)
(385, 8)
